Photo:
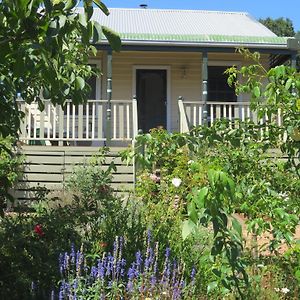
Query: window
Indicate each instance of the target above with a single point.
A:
(218, 88)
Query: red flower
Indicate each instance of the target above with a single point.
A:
(39, 230)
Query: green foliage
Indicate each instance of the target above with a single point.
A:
(214, 204)
(224, 169)
(10, 170)
(45, 47)
(90, 183)
(30, 243)
(280, 26)
(281, 93)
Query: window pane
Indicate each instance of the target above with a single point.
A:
(218, 88)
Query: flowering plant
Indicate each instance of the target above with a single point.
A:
(111, 277)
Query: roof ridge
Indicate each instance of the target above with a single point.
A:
(178, 10)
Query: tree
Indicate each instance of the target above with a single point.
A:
(280, 26)
(44, 46)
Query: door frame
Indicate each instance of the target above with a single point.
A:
(168, 87)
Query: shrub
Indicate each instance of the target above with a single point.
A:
(10, 170)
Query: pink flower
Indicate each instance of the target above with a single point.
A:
(155, 178)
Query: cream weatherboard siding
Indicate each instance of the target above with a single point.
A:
(185, 74)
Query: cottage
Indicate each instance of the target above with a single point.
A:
(170, 73)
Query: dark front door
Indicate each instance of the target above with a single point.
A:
(151, 93)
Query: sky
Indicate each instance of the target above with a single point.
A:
(257, 8)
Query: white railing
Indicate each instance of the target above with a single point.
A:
(84, 122)
(193, 111)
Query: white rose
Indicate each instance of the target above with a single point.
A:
(176, 182)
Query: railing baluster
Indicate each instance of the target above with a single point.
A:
(128, 120)
(61, 125)
(49, 127)
(80, 121)
(68, 120)
(248, 112)
(93, 120)
(54, 121)
(73, 120)
(195, 115)
(42, 124)
(243, 113)
(87, 116)
(135, 118)
(218, 112)
(34, 120)
(211, 114)
(114, 110)
(121, 120)
(200, 115)
(100, 119)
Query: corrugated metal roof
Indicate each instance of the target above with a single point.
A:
(165, 25)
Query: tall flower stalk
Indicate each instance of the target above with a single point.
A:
(111, 277)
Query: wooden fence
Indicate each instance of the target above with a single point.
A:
(50, 167)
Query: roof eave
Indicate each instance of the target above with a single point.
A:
(202, 44)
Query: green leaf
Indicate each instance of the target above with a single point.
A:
(288, 84)
(46, 93)
(297, 275)
(256, 91)
(212, 286)
(102, 6)
(200, 198)
(113, 38)
(237, 226)
(62, 20)
(70, 4)
(217, 246)
(192, 212)
(97, 31)
(188, 227)
(79, 83)
(82, 20)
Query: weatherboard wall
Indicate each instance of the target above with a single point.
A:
(185, 74)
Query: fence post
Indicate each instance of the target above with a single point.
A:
(183, 123)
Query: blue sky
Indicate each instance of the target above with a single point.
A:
(257, 8)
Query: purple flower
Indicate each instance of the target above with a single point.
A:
(129, 286)
(79, 262)
(193, 274)
(168, 251)
(131, 272)
(100, 270)
(153, 281)
(72, 254)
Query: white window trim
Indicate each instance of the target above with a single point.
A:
(97, 62)
(156, 67)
